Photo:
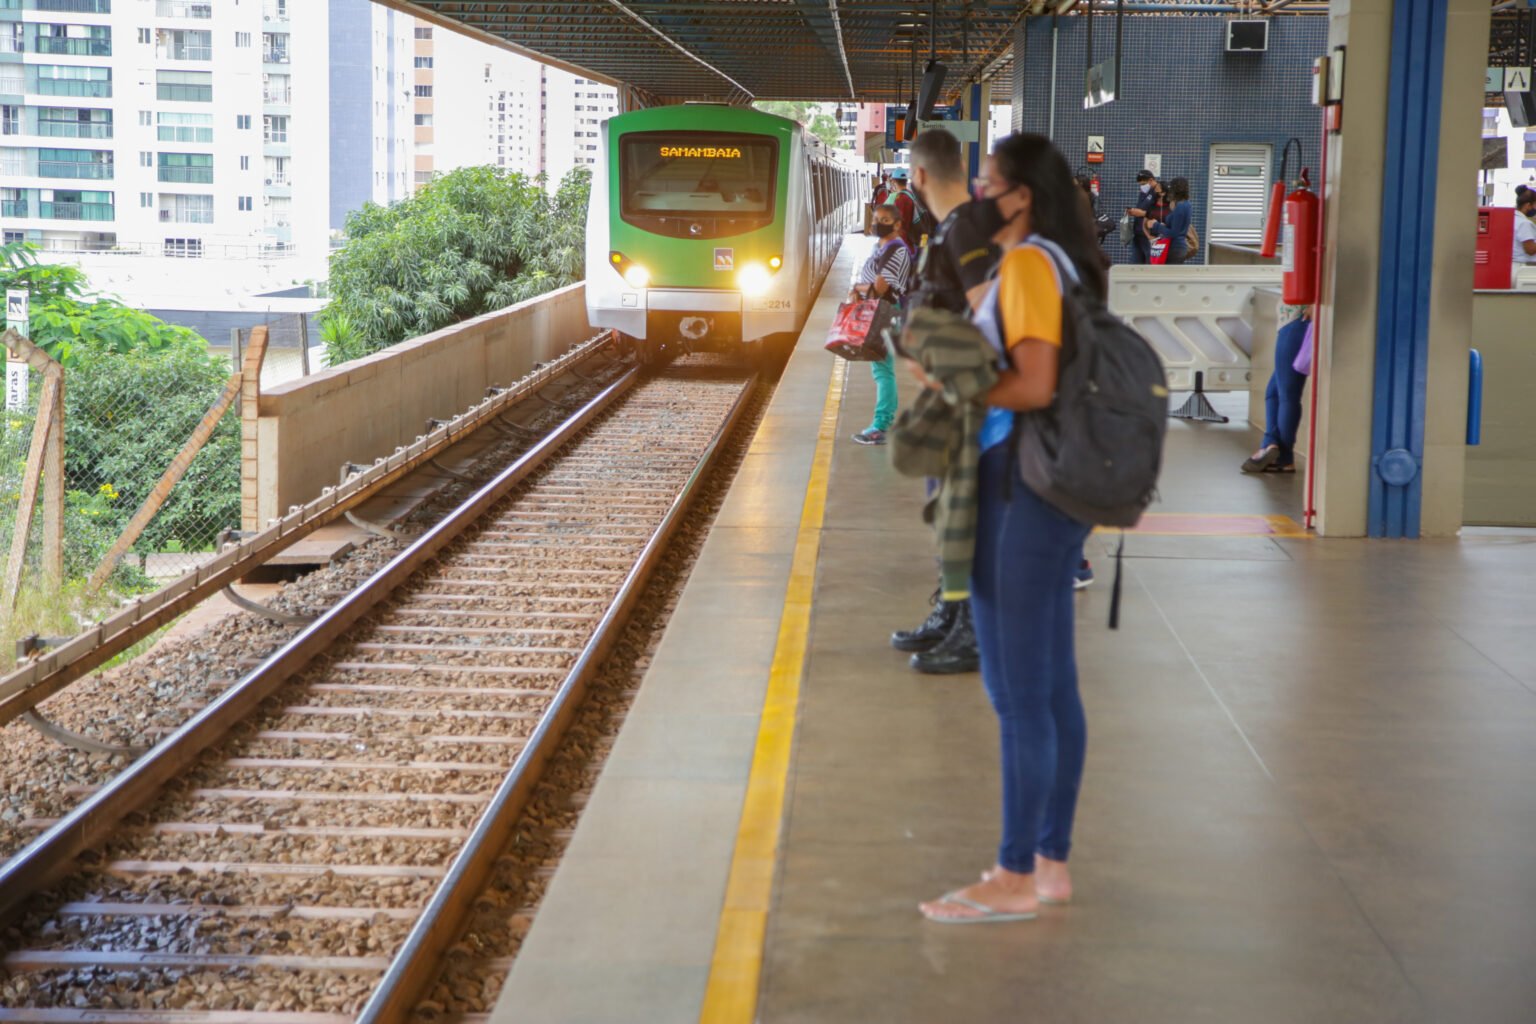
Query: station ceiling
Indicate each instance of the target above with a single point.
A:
(736, 51)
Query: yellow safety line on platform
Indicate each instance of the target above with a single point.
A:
(736, 969)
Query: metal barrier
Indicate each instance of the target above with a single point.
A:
(1198, 318)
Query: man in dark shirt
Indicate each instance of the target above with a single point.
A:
(1146, 199)
(954, 271)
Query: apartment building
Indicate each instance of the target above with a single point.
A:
(199, 128)
(480, 105)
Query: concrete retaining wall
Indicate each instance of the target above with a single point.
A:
(364, 409)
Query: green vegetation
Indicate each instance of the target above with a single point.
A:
(67, 320)
(820, 124)
(135, 388)
(473, 241)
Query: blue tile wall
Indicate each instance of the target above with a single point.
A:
(1181, 93)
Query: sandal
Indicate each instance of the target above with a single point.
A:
(984, 914)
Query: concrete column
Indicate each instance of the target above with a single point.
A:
(1396, 383)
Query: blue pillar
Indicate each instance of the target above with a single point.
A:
(1407, 267)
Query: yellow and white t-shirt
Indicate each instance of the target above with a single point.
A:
(1023, 302)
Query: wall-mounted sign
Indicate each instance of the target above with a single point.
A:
(963, 131)
(1517, 79)
(1493, 80)
(1154, 163)
(1095, 149)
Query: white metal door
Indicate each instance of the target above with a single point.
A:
(1239, 180)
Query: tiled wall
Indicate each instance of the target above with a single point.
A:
(1181, 93)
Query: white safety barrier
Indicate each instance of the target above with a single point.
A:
(1199, 318)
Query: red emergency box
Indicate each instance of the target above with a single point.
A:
(1495, 247)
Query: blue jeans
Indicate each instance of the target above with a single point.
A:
(1282, 398)
(884, 372)
(1021, 594)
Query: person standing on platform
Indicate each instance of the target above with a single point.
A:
(884, 275)
(1146, 199)
(1175, 227)
(953, 273)
(902, 200)
(1525, 228)
(1027, 550)
(1282, 396)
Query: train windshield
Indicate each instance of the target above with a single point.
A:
(701, 183)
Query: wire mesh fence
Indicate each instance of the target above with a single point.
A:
(126, 417)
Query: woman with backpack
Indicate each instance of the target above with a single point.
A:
(1176, 225)
(1027, 550)
(885, 275)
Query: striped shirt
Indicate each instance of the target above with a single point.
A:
(890, 260)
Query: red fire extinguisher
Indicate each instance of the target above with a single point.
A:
(1298, 262)
(1093, 184)
(1277, 202)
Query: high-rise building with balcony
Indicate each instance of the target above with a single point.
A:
(480, 105)
(199, 127)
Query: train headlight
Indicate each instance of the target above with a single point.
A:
(636, 276)
(775, 262)
(754, 279)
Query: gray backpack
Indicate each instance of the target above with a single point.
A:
(1096, 452)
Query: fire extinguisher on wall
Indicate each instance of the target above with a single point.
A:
(1277, 202)
(1298, 260)
(1093, 184)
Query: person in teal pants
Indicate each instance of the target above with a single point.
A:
(884, 274)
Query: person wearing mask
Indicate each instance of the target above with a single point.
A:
(953, 273)
(884, 275)
(902, 200)
(1525, 228)
(1026, 550)
(1146, 199)
(1175, 227)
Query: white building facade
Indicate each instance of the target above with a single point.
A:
(199, 128)
(480, 105)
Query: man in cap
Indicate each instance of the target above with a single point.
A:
(1141, 241)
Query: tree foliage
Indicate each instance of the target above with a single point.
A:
(67, 319)
(809, 115)
(473, 241)
(135, 389)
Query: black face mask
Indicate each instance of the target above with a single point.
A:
(883, 230)
(985, 215)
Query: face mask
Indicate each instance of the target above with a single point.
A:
(987, 216)
(883, 230)
(1146, 187)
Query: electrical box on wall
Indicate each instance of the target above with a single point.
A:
(1248, 35)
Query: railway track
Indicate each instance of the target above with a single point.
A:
(306, 847)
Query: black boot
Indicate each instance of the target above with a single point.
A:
(933, 630)
(956, 652)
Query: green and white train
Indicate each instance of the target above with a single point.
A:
(711, 227)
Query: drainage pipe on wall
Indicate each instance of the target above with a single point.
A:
(1050, 131)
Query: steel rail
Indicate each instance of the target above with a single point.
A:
(34, 681)
(416, 966)
(51, 854)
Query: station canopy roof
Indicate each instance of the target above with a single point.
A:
(735, 51)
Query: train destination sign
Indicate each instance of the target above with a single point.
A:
(706, 152)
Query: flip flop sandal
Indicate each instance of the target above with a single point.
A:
(984, 915)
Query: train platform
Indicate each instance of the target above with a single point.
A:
(1308, 794)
